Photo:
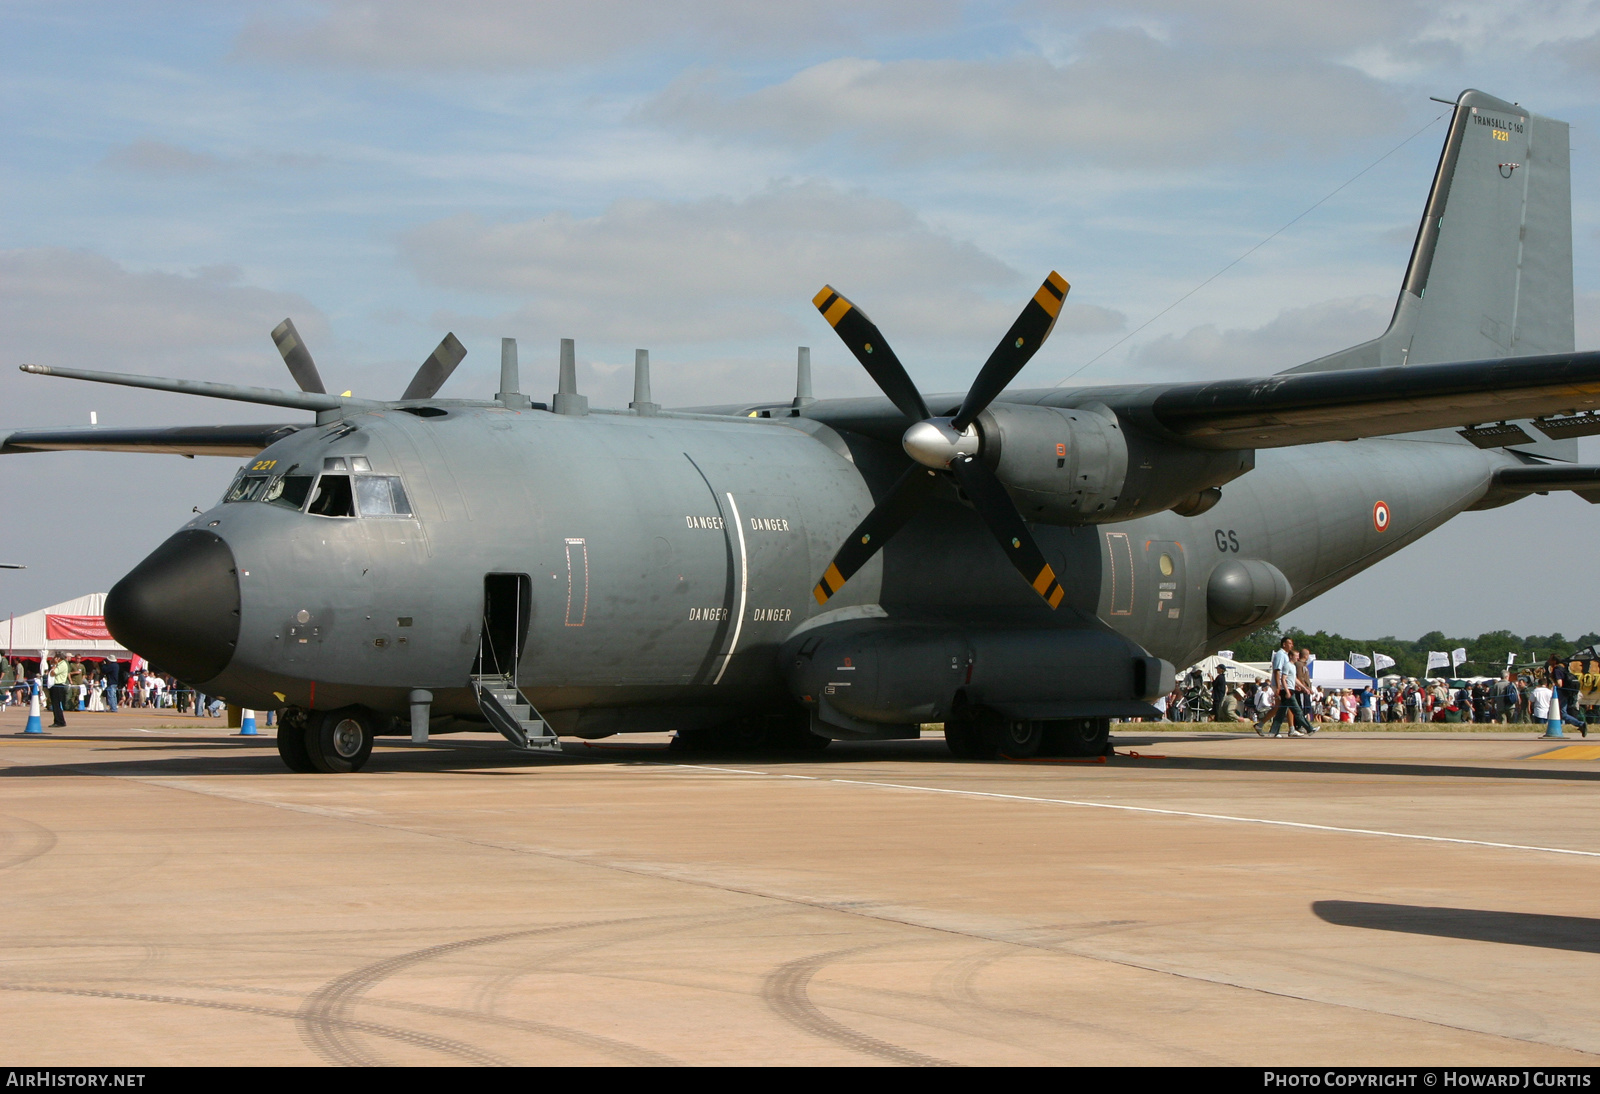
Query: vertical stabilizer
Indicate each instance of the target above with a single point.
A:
(1491, 270)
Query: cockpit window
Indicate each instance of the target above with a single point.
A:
(289, 491)
(337, 493)
(381, 496)
(333, 497)
(247, 488)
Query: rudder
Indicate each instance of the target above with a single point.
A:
(1490, 274)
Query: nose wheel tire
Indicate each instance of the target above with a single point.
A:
(339, 741)
(292, 741)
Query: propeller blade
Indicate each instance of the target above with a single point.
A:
(899, 505)
(867, 343)
(999, 512)
(1016, 349)
(297, 357)
(436, 369)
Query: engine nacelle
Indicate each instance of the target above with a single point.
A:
(1084, 466)
(867, 673)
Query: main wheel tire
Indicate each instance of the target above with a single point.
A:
(1018, 739)
(292, 741)
(339, 741)
(967, 739)
(1078, 737)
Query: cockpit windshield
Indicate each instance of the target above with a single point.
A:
(248, 488)
(346, 488)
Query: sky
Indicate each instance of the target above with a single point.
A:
(683, 177)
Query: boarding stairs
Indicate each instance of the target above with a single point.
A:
(502, 703)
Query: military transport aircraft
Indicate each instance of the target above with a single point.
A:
(787, 573)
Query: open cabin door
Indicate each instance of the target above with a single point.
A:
(507, 605)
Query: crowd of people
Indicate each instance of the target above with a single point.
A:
(71, 684)
(1287, 703)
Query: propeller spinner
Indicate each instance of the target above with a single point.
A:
(944, 446)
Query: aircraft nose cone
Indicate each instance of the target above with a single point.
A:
(180, 607)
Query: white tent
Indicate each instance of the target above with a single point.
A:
(1238, 671)
(75, 627)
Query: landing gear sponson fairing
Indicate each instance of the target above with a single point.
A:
(811, 569)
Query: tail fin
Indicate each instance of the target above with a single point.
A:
(1491, 270)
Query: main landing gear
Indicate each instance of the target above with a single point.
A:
(983, 735)
(328, 741)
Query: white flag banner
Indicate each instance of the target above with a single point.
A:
(1226, 655)
(1511, 659)
(1437, 659)
(1458, 656)
(1358, 660)
(1383, 661)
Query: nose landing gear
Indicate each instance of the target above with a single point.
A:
(328, 741)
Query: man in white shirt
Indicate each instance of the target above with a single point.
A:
(1539, 698)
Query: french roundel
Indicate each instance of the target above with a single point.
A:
(1380, 516)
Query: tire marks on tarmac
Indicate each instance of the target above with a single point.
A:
(23, 841)
(325, 1024)
(955, 986)
(486, 998)
(787, 992)
(445, 1045)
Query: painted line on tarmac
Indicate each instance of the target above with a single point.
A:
(1153, 810)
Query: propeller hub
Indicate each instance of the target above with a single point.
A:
(936, 443)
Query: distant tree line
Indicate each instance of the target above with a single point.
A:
(1486, 654)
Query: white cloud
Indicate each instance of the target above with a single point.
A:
(1232, 25)
(77, 309)
(159, 158)
(425, 35)
(723, 269)
(1583, 55)
(1125, 98)
(1295, 336)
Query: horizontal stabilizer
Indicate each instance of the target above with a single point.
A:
(1510, 483)
(183, 440)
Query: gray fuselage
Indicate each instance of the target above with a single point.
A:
(670, 557)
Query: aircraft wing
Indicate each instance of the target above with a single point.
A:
(1301, 408)
(1294, 408)
(183, 440)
